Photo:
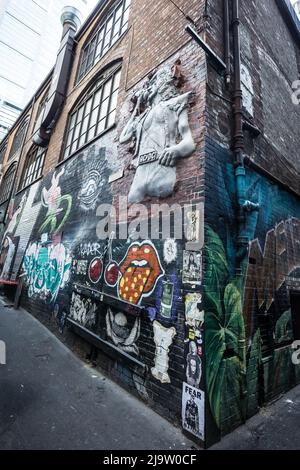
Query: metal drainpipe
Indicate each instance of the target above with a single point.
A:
(226, 42)
(244, 205)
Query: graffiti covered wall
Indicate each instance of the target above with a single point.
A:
(248, 318)
(138, 297)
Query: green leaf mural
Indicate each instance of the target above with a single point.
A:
(225, 338)
(283, 328)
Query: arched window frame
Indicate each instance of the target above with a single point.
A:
(94, 112)
(107, 34)
(7, 182)
(33, 166)
(19, 138)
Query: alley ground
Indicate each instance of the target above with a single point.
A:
(50, 399)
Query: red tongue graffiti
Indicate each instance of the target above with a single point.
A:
(140, 271)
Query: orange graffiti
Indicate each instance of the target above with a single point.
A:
(140, 271)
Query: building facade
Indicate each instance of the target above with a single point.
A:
(150, 203)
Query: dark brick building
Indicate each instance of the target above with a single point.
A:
(188, 105)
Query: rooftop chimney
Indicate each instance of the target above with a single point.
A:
(70, 18)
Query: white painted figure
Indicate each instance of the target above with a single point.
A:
(163, 338)
(121, 334)
(160, 128)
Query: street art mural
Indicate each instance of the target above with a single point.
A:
(160, 129)
(47, 269)
(121, 334)
(248, 317)
(90, 190)
(58, 206)
(83, 310)
(163, 338)
(140, 270)
(18, 232)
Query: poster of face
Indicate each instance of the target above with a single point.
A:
(192, 267)
(167, 299)
(193, 410)
(193, 365)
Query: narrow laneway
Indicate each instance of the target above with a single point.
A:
(50, 399)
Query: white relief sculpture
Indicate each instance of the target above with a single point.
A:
(160, 129)
(163, 338)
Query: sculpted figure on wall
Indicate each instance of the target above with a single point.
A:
(161, 133)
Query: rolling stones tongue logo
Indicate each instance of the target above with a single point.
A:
(140, 271)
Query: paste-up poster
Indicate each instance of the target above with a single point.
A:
(193, 410)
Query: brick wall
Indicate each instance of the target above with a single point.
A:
(233, 288)
(54, 229)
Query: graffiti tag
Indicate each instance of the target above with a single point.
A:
(47, 269)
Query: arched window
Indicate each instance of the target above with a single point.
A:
(33, 166)
(19, 138)
(114, 25)
(7, 182)
(94, 113)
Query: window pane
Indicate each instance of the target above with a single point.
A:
(97, 98)
(80, 113)
(118, 12)
(72, 120)
(117, 80)
(91, 120)
(113, 103)
(85, 125)
(33, 166)
(94, 116)
(106, 90)
(76, 132)
(104, 108)
(116, 31)
(91, 133)
(88, 107)
(125, 17)
(109, 32)
(111, 118)
(101, 126)
(82, 140)
(109, 24)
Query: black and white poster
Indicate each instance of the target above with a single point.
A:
(193, 410)
(192, 267)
